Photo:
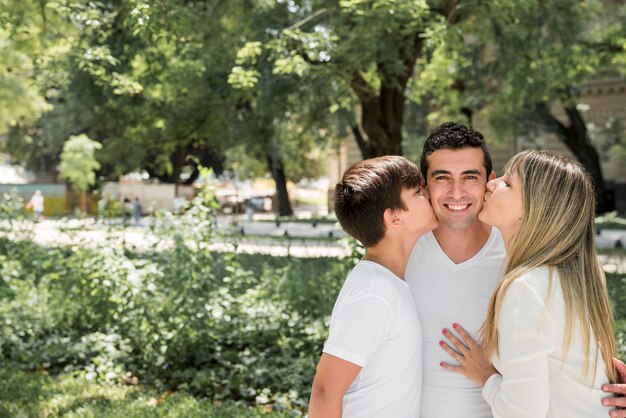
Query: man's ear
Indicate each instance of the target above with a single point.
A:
(491, 176)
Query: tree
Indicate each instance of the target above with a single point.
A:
(367, 50)
(78, 164)
(524, 65)
(148, 81)
(142, 80)
(20, 43)
(460, 57)
(280, 121)
(280, 107)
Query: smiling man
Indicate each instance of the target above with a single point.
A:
(453, 270)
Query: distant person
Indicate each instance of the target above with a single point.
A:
(371, 364)
(127, 207)
(36, 203)
(250, 209)
(102, 204)
(137, 210)
(179, 204)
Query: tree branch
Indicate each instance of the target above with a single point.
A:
(360, 140)
(449, 10)
(306, 20)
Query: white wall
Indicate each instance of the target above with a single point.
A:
(159, 195)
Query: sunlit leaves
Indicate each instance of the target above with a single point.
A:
(249, 53)
(242, 78)
(78, 162)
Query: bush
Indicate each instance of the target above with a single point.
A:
(228, 327)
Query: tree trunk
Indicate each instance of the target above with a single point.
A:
(382, 112)
(576, 138)
(178, 161)
(278, 174)
(360, 140)
(83, 201)
(209, 156)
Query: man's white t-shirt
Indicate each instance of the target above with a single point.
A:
(445, 293)
(374, 324)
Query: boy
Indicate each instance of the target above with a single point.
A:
(371, 364)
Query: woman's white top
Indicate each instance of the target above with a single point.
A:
(537, 378)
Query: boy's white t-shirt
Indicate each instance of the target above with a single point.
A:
(374, 324)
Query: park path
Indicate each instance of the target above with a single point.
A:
(296, 239)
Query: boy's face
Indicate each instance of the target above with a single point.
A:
(419, 215)
(456, 181)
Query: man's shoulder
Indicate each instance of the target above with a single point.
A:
(425, 243)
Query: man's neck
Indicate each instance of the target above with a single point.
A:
(462, 244)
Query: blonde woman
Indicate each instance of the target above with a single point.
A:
(549, 327)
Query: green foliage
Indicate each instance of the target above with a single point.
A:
(617, 291)
(219, 325)
(78, 162)
(11, 206)
(610, 220)
(20, 99)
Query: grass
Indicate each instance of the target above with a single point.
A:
(32, 394)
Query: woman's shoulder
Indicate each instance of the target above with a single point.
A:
(537, 275)
(538, 281)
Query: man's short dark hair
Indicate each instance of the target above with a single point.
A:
(452, 135)
(367, 189)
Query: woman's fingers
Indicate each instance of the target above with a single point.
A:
(460, 346)
(465, 336)
(616, 388)
(453, 353)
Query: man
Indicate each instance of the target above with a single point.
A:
(453, 270)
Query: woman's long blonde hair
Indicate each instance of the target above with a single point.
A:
(557, 230)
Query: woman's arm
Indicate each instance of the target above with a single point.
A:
(524, 331)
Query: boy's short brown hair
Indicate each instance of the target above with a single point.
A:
(367, 189)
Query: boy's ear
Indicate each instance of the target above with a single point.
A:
(390, 216)
(492, 176)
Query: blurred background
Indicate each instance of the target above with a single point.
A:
(185, 258)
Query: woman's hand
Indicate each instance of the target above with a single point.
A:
(474, 364)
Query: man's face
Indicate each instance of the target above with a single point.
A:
(456, 181)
